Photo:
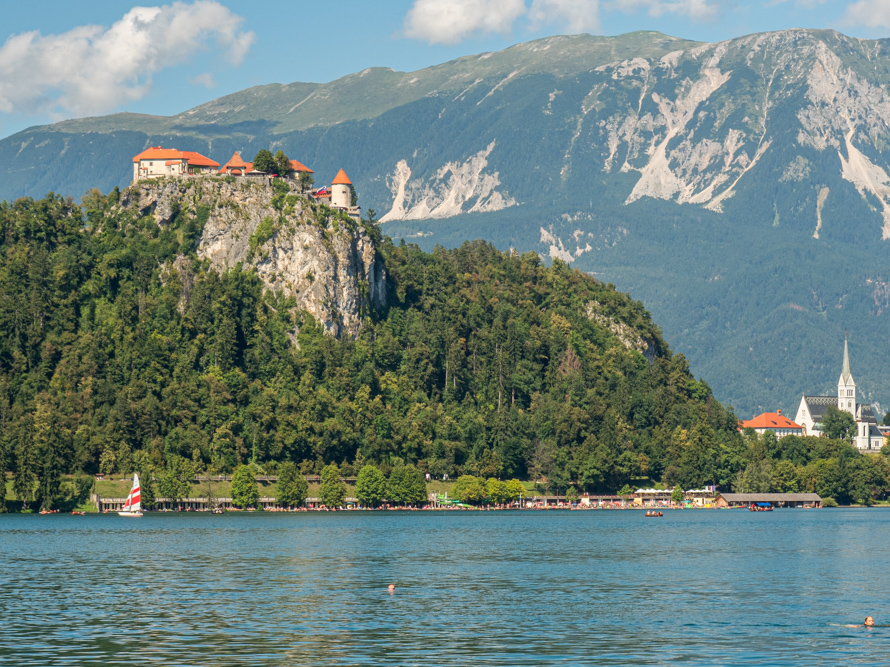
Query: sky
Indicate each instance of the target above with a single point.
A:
(61, 59)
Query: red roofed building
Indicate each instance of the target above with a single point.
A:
(156, 161)
(775, 422)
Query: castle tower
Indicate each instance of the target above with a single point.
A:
(341, 191)
(846, 387)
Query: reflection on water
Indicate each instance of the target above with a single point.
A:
(595, 587)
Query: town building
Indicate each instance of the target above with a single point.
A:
(157, 161)
(774, 422)
(775, 499)
(811, 412)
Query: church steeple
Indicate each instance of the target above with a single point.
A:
(846, 386)
(845, 371)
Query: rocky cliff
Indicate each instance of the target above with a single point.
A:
(320, 257)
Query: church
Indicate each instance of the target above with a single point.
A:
(869, 437)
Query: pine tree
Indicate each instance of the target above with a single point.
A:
(25, 478)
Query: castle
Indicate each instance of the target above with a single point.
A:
(869, 434)
(156, 162)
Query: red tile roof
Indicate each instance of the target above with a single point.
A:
(198, 160)
(172, 156)
(296, 165)
(158, 153)
(341, 179)
(771, 420)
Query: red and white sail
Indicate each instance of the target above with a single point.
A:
(133, 506)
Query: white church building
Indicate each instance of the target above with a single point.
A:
(812, 410)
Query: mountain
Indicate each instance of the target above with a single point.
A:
(739, 189)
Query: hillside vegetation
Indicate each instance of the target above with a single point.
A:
(482, 363)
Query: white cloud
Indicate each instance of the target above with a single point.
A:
(450, 21)
(868, 13)
(92, 69)
(206, 79)
(576, 15)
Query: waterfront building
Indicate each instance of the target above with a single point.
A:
(776, 499)
(811, 411)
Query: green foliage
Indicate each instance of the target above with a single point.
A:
(469, 489)
(838, 424)
(370, 487)
(292, 486)
(265, 161)
(677, 495)
(264, 231)
(572, 495)
(175, 481)
(482, 364)
(829, 502)
(333, 489)
(245, 492)
(406, 486)
(282, 164)
(515, 490)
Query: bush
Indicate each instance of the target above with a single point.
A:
(829, 502)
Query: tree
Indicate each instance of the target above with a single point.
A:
(785, 478)
(282, 164)
(838, 424)
(755, 478)
(174, 484)
(469, 489)
(370, 487)
(25, 477)
(677, 495)
(515, 490)
(572, 495)
(406, 486)
(496, 491)
(245, 492)
(292, 486)
(49, 450)
(333, 489)
(264, 161)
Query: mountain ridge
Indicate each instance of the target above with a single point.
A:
(740, 188)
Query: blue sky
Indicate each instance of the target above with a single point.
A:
(62, 59)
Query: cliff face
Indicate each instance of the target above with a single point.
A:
(321, 258)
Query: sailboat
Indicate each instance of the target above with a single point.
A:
(133, 506)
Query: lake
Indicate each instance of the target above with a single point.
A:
(702, 587)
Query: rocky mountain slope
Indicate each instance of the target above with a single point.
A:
(317, 257)
(740, 189)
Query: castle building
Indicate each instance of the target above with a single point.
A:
(236, 166)
(869, 437)
(775, 422)
(339, 195)
(157, 161)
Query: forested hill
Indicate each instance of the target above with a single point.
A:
(120, 349)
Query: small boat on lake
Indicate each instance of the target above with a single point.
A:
(133, 506)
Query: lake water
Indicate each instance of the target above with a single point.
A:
(473, 588)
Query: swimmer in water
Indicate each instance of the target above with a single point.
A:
(392, 589)
(869, 622)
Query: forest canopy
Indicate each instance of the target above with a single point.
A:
(120, 350)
